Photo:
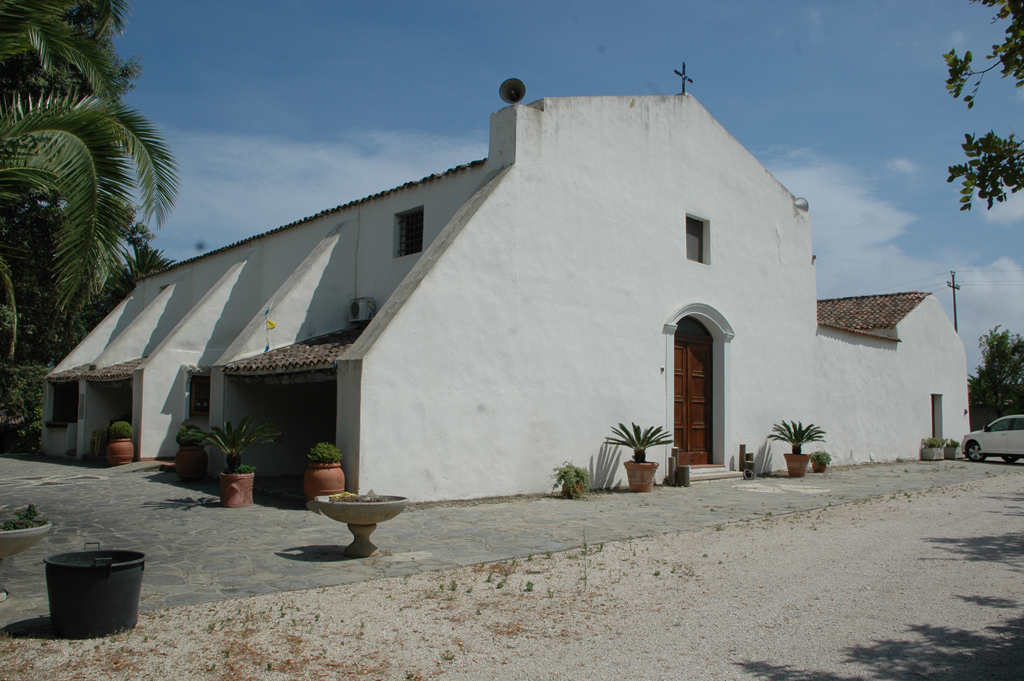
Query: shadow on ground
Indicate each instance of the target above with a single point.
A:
(323, 553)
(935, 653)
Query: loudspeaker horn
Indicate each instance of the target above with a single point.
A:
(512, 91)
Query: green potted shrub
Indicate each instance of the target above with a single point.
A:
(20, 533)
(323, 475)
(639, 472)
(931, 449)
(575, 481)
(236, 480)
(820, 461)
(120, 449)
(949, 449)
(796, 434)
(190, 462)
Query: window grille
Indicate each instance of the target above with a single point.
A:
(410, 232)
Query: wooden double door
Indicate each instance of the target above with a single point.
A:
(693, 379)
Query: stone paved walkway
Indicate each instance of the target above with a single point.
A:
(197, 551)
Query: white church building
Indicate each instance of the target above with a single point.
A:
(613, 259)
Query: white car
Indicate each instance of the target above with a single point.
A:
(1004, 438)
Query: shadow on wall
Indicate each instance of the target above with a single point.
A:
(603, 470)
(763, 458)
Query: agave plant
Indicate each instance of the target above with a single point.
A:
(639, 440)
(234, 441)
(796, 434)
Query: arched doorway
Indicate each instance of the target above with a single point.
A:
(693, 392)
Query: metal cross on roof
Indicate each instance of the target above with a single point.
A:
(682, 74)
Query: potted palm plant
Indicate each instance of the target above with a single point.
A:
(120, 449)
(796, 434)
(190, 462)
(639, 471)
(236, 480)
(323, 476)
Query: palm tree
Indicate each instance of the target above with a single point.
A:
(235, 441)
(96, 152)
(143, 261)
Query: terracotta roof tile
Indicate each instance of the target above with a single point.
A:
(308, 354)
(329, 211)
(114, 372)
(864, 314)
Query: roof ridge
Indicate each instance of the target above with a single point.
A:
(877, 295)
(326, 211)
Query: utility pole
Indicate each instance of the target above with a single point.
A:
(956, 287)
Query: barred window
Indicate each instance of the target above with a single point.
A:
(409, 232)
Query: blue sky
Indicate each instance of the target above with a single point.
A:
(279, 110)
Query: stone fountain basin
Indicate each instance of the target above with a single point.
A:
(359, 512)
(16, 541)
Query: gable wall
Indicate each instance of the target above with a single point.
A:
(541, 325)
(874, 396)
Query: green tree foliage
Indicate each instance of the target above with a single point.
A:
(42, 47)
(999, 383)
(91, 149)
(995, 164)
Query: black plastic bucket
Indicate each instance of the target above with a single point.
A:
(94, 593)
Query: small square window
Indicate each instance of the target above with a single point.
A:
(409, 232)
(199, 396)
(695, 239)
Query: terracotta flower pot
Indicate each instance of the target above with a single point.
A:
(236, 489)
(190, 463)
(120, 452)
(818, 467)
(578, 490)
(323, 479)
(640, 475)
(796, 464)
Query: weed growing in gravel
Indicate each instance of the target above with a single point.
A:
(490, 577)
(657, 573)
(453, 585)
(447, 656)
(547, 554)
(529, 557)
(529, 586)
(551, 593)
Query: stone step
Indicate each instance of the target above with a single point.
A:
(712, 473)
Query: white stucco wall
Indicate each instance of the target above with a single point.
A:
(541, 324)
(873, 397)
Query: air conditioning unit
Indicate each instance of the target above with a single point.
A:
(361, 310)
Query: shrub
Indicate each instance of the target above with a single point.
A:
(119, 430)
(24, 520)
(29, 439)
(245, 469)
(189, 436)
(796, 434)
(933, 442)
(324, 452)
(576, 480)
(639, 440)
(236, 441)
(821, 458)
(952, 443)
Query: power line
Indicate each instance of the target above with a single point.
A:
(940, 274)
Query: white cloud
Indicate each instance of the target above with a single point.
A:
(958, 39)
(233, 186)
(1004, 213)
(903, 165)
(855, 235)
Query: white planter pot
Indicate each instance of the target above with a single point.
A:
(16, 541)
(949, 452)
(931, 454)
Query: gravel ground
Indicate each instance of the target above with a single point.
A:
(926, 585)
